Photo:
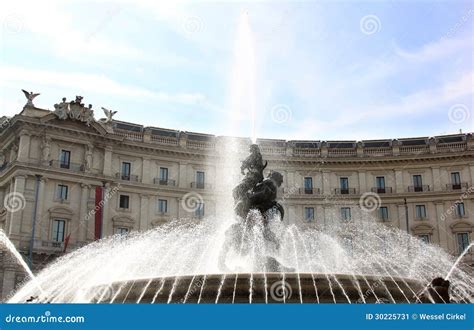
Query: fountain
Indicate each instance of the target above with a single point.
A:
(253, 257)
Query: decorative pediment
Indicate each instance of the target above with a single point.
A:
(94, 127)
(422, 229)
(123, 220)
(61, 212)
(461, 227)
(75, 111)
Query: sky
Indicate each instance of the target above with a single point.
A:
(310, 70)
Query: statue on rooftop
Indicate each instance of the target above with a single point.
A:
(30, 97)
(61, 110)
(108, 115)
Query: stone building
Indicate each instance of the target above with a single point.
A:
(67, 179)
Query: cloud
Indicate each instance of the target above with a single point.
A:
(87, 82)
(436, 50)
(416, 103)
(54, 23)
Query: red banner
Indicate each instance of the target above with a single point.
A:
(66, 242)
(98, 213)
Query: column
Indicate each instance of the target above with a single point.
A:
(290, 180)
(24, 147)
(325, 214)
(16, 201)
(471, 172)
(40, 221)
(402, 218)
(326, 182)
(292, 216)
(84, 216)
(442, 226)
(183, 176)
(146, 174)
(9, 273)
(107, 161)
(362, 182)
(107, 225)
(178, 207)
(436, 178)
(144, 215)
(399, 181)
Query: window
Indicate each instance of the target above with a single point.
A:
(383, 213)
(65, 159)
(163, 175)
(162, 206)
(380, 182)
(344, 184)
(420, 211)
(126, 170)
(199, 211)
(200, 179)
(62, 192)
(417, 183)
(58, 230)
(124, 201)
(460, 211)
(308, 185)
(121, 231)
(425, 238)
(309, 213)
(346, 213)
(463, 241)
(456, 180)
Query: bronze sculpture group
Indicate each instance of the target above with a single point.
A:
(258, 194)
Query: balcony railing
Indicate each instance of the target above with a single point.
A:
(385, 190)
(164, 182)
(201, 185)
(457, 186)
(49, 245)
(309, 191)
(423, 188)
(67, 166)
(345, 191)
(124, 177)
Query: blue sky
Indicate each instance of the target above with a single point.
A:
(324, 70)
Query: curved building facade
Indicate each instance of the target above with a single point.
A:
(67, 179)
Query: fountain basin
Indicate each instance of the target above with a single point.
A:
(260, 288)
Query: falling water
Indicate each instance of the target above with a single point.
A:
(458, 260)
(10, 247)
